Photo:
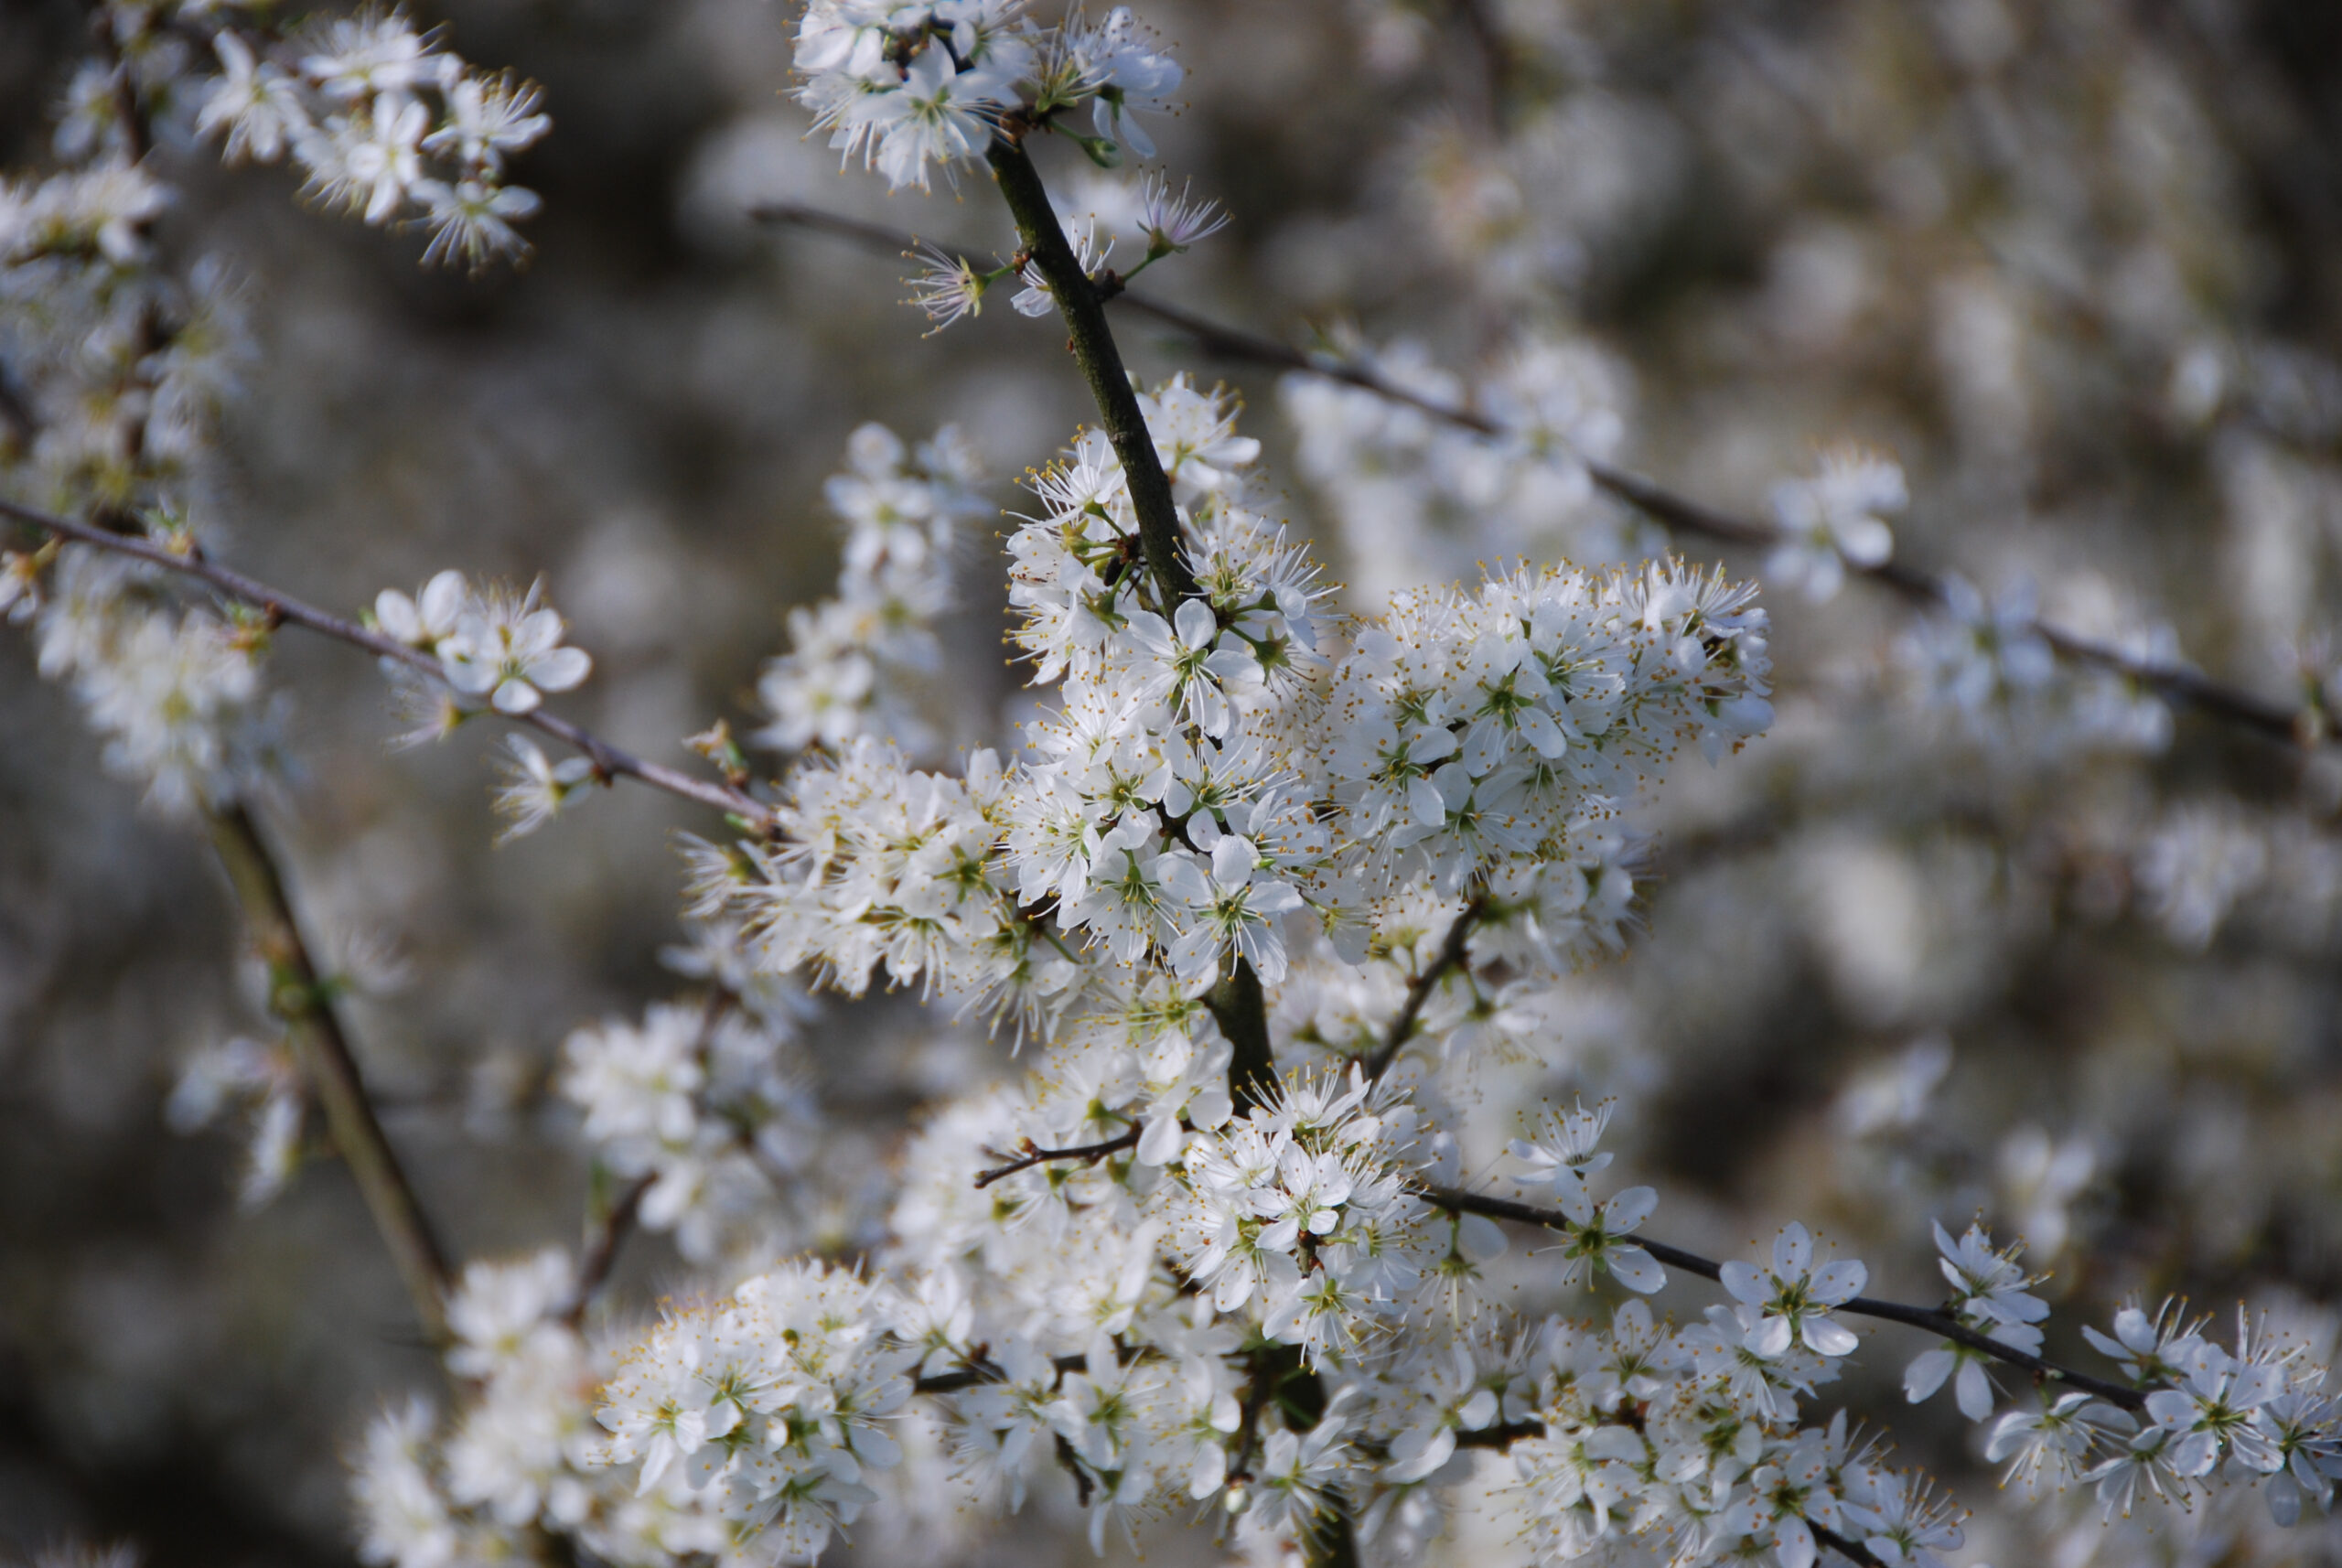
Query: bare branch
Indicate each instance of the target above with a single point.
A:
(1089, 1153)
(609, 760)
(296, 997)
(601, 1252)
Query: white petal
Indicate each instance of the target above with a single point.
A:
(1634, 1268)
(1828, 1337)
(1926, 1373)
(516, 697)
(561, 669)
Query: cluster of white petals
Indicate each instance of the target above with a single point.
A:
(383, 124)
(706, 1106)
(1421, 496)
(1262, 884)
(850, 657)
(1834, 521)
(520, 1460)
(768, 1405)
(176, 693)
(1237, 776)
(496, 649)
(913, 88)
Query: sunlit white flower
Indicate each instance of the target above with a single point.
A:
(509, 652)
(1793, 1298)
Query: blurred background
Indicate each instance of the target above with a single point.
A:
(2077, 265)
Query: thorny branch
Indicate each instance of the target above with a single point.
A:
(609, 761)
(2246, 709)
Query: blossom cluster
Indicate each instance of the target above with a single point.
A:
(1246, 832)
(905, 87)
(518, 1461)
(2259, 1415)
(116, 366)
(1223, 779)
(175, 691)
(774, 1401)
(496, 648)
(1127, 1315)
(850, 656)
(383, 124)
(1835, 520)
(707, 1106)
(1417, 493)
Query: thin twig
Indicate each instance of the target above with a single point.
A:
(983, 1372)
(279, 607)
(296, 997)
(1218, 340)
(1933, 1320)
(602, 1250)
(1852, 1550)
(1089, 1153)
(1419, 990)
(609, 1234)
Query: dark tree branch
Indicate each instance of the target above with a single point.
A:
(1242, 1013)
(983, 1372)
(1089, 1153)
(1850, 1550)
(1083, 308)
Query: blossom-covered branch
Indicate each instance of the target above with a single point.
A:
(277, 607)
(1453, 953)
(1082, 307)
(1933, 1320)
(2174, 680)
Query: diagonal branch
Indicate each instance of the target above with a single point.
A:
(603, 1242)
(1934, 1320)
(982, 1371)
(2248, 710)
(1853, 1550)
(279, 608)
(298, 998)
(1084, 306)
(1402, 1027)
(1089, 1153)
